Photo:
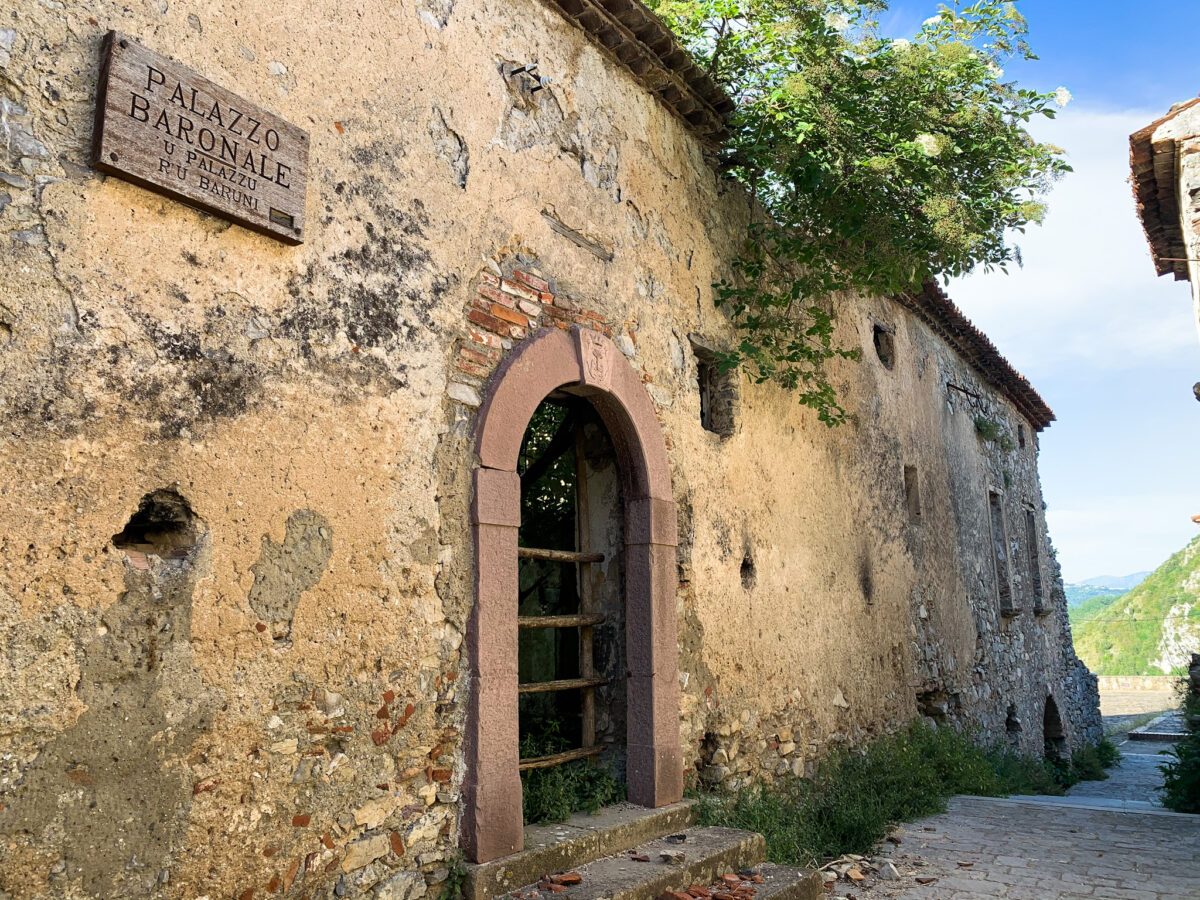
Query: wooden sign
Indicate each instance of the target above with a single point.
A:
(169, 129)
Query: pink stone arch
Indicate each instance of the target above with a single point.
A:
(591, 364)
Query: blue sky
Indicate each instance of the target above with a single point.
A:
(1112, 348)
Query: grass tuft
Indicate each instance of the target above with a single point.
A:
(854, 798)
(554, 794)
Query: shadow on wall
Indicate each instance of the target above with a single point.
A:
(115, 780)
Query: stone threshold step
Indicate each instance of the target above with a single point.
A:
(1157, 735)
(582, 838)
(708, 853)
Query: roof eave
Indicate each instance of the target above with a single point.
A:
(1152, 173)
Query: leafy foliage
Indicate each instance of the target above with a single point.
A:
(1181, 774)
(994, 433)
(878, 163)
(854, 798)
(1121, 635)
(553, 794)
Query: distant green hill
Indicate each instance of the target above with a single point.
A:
(1081, 593)
(1152, 629)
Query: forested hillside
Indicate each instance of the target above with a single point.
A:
(1152, 629)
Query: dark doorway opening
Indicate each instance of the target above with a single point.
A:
(571, 612)
(1053, 734)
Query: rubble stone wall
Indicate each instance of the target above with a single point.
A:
(257, 686)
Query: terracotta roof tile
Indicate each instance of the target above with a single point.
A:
(636, 40)
(1153, 175)
(938, 311)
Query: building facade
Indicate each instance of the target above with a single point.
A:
(1165, 172)
(294, 538)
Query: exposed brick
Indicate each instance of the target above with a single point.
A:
(490, 322)
(301, 820)
(497, 296)
(519, 290)
(510, 315)
(538, 284)
(472, 369)
(531, 309)
(473, 356)
(486, 338)
(489, 277)
(492, 353)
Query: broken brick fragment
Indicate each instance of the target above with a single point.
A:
(301, 820)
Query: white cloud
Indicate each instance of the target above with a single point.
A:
(1087, 294)
(1112, 348)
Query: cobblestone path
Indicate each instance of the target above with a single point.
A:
(1106, 839)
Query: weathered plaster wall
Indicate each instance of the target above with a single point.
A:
(279, 708)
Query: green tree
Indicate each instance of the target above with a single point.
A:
(878, 163)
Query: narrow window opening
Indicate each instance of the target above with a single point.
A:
(1021, 436)
(1000, 554)
(718, 391)
(885, 345)
(1035, 562)
(571, 618)
(912, 493)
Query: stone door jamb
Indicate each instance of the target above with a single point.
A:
(594, 367)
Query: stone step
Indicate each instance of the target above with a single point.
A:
(789, 883)
(581, 839)
(708, 853)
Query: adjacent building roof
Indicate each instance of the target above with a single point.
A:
(938, 311)
(1154, 190)
(634, 37)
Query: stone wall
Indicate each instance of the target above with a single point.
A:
(235, 569)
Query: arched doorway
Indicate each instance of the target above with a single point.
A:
(585, 370)
(1054, 737)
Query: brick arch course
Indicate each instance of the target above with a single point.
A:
(590, 362)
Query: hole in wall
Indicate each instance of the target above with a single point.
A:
(164, 526)
(1021, 436)
(885, 345)
(866, 581)
(912, 492)
(749, 576)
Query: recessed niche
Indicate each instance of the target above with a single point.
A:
(718, 391)
(885, 345)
